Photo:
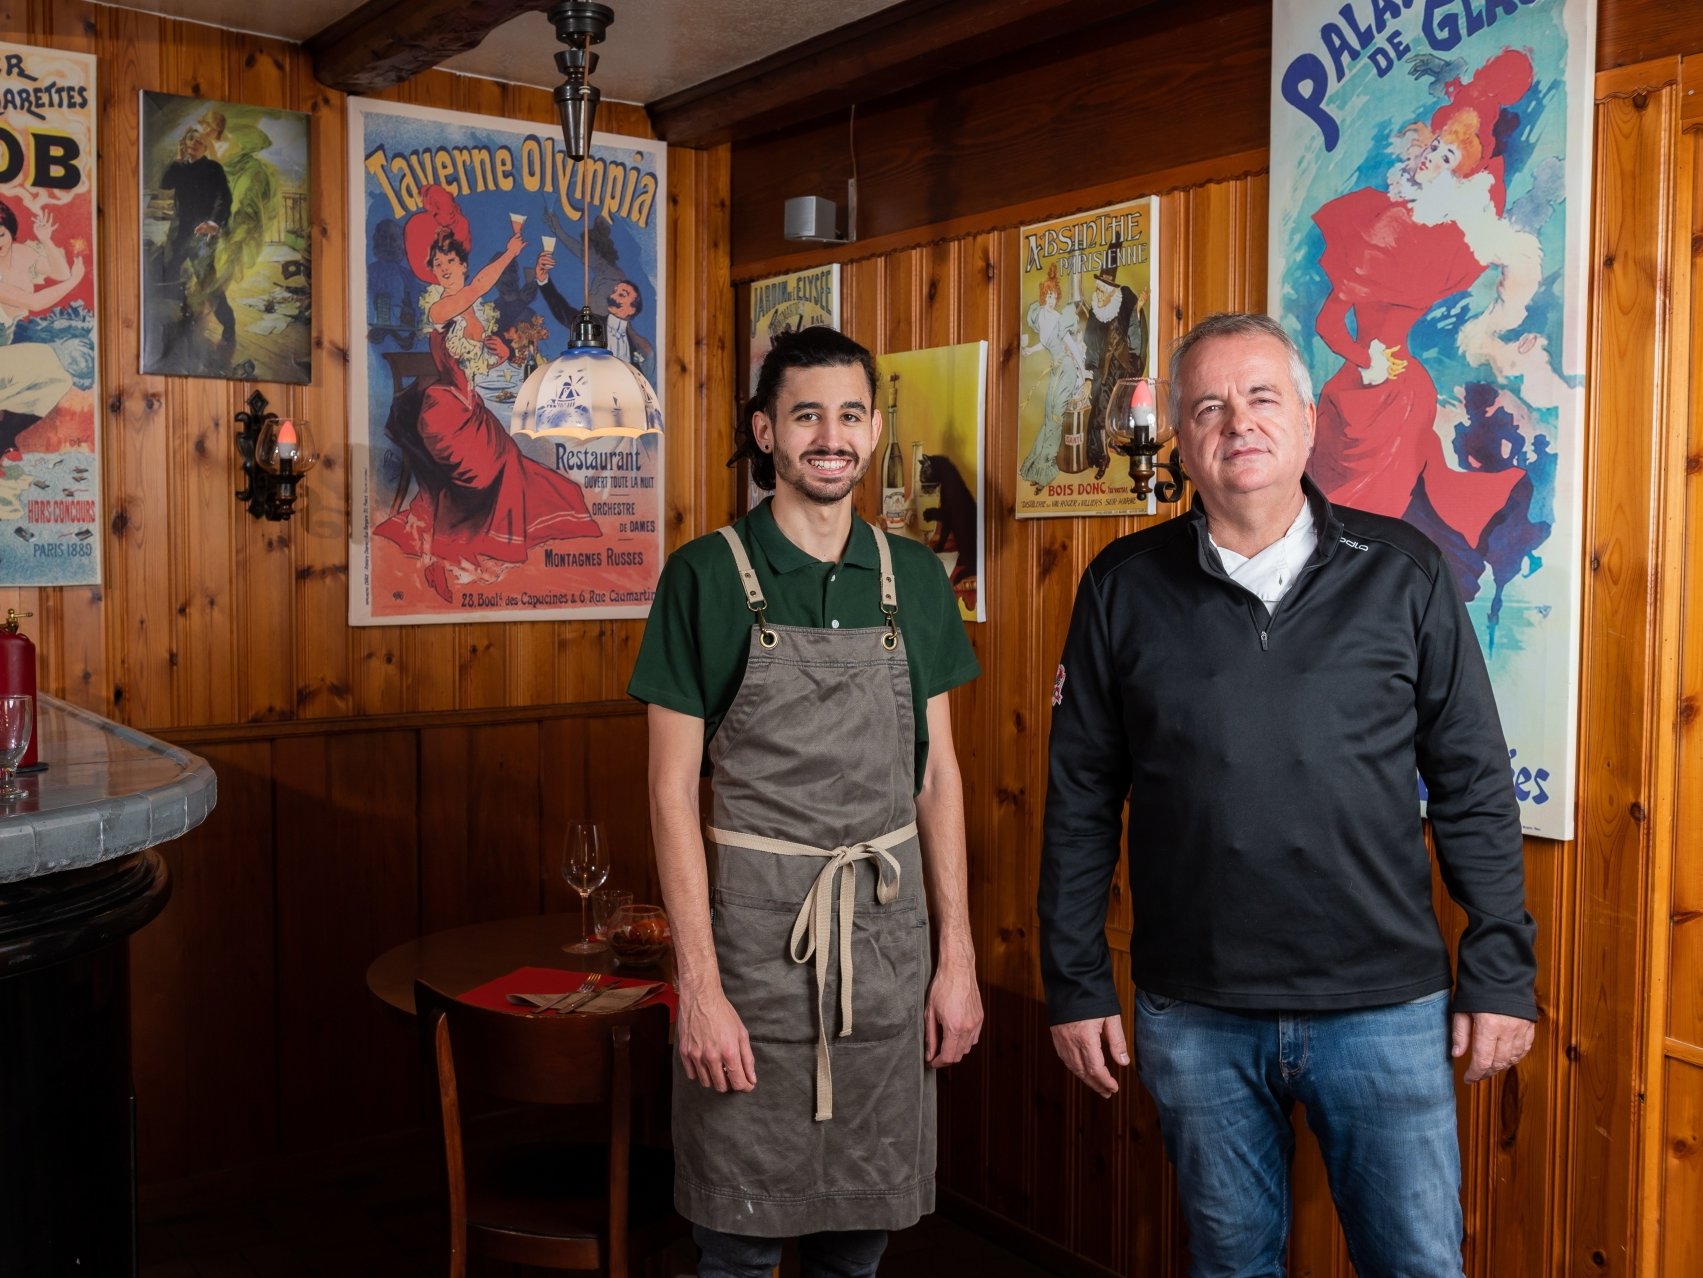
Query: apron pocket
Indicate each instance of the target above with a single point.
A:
(776, 998)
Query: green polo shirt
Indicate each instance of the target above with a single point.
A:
(693, 655)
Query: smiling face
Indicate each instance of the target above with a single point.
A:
(624, 300)
(823, 432)
(448, 267)
(1244, 430)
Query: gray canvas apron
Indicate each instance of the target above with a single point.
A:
(821, 933)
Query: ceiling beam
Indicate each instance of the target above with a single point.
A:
(896, 48)
(385, 42)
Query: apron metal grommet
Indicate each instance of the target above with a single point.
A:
(890, 640)
(768, 638)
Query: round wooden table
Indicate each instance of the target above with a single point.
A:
(460, 958)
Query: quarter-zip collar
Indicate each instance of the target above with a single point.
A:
(1325, 522)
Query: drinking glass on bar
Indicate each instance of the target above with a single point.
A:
(585, 864)
(17, 718)
(606, 903)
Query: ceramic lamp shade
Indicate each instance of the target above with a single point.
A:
(587, 391)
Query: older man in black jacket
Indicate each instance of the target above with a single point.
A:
(1263, 679)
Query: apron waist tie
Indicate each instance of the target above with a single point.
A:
(816, 916)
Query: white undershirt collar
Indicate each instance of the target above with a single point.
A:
(1269, 574)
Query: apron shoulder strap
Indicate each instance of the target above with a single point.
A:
(889, 588)
(747, 574)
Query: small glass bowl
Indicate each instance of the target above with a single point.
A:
(638, 935)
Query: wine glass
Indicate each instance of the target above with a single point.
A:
(17, 718)
(585, 864)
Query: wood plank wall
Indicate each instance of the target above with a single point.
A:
(374, 782)
(1674, 1137)
(257, 1045)
(1550, 1152)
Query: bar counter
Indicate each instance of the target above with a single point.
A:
(78, 874)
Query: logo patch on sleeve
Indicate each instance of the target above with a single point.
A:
(1058, 685)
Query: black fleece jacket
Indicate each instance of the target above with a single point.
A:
(1277, 856)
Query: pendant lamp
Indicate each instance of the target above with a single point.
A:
(587, 390)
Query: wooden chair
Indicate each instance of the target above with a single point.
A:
(584, 1199)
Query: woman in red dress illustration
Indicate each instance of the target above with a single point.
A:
(1390, 255)
(481, 504)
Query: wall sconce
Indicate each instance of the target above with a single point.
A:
(276, 452)
(1136, 428)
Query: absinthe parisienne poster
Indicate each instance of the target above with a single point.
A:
(467, 276)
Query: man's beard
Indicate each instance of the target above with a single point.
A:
(813, 485)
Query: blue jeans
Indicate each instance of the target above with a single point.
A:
(846, 1254)
(1379, 1095)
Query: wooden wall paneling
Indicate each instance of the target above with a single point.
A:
(482, 850)
(1604, 1019)
(1255, 240)
(196, 436)
(963, 309)
(265, 594)
(1212, 247)
(203, 1001)
(563, 746)
(900, 288)
(1685, 983)
(379, 668)
(348, 884)
(1679, 1250)
(392, 660)
(332, 654)
(1033, 586)
(75, 666)
(1671, 1233)
(1507, 1137)
(1633, 31)
(139, 474)
(617, 797)
(531, 663)
(997, 135)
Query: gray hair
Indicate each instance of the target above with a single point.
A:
(1236, 324)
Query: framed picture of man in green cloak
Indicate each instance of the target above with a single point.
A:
(227, 281)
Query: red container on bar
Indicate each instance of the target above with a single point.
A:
(17, 675)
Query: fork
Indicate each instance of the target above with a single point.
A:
(586, 986)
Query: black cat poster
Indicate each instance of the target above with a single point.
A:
(929, 461)
(1087, 299)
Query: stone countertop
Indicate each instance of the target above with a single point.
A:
(107, 791)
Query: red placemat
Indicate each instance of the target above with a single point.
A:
(554, 980)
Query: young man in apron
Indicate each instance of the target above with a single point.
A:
(803, 657)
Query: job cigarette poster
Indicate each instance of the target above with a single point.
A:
(50, 484)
